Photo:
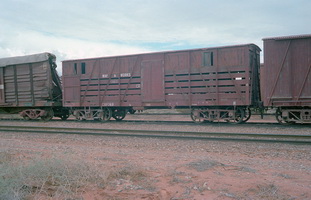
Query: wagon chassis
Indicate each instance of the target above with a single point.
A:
(101, 114)
(286, 115)
(46, 113)
(229, 114)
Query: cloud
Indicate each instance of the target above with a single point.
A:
(79, 28)
(31, 42)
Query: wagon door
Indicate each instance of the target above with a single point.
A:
(152, 72)
(71, 87)
(2, 97)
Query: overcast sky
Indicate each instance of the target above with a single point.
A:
(91, 28)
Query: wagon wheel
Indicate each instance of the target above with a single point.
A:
(26, 117)
(278, 116)
(247, 114)
(106, 115)
(49, 115)
(132, 111)
(119, 114)
(197, 116)
(79, 115)
(64, 117)
(65, 114)
(33, 113)
(239, 116)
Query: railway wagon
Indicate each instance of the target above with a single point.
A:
(30, 85)
(219, 83)
(287, 77)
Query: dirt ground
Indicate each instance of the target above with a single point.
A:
(176, 169)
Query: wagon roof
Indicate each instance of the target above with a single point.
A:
(290, 37)
(173, 51)
(26, 59)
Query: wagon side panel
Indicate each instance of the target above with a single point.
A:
(28, 85)
(212, 77)
(200, 77)
(103, 82)
(287, 71)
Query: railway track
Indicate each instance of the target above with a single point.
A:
(216, 136)
(169, 122)
(153, 120)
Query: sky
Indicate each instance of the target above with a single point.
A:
(73, 29)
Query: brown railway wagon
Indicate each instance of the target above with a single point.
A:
(30, 85)
(287, 77)
(217, 83)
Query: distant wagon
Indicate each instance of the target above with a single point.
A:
(219, 83)
(286, 77)
(30, 85)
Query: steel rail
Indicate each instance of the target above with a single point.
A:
(190, 122)
(271, 138)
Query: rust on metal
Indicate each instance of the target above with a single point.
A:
(29, 82)
(220, 76)
(287, 78)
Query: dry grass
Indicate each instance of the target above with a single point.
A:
(203, 165)
(129, 178)
(129, 173)
(267, 192)
(47, 177)
(5, 157)
(61, 178)
(179, 177)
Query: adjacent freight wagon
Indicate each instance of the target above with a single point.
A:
(287, 77)
(219, 83)
(30, 85)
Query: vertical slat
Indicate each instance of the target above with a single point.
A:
(189, 80)
(88, 82)
(2, 94)
(130, 79)
(279, 72)
(32, 94)
(303, 84)
(15, 85)
(99, 76)
(109, 80)
(217, 81)
(119, 83)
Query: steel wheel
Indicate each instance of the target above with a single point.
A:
(119, 114)
(278, 116)
(64, 117)
(197, 116)
(79, 115)
(247, 114)
(26, 117)
(106, 114)
(49, 115)
(239, 116)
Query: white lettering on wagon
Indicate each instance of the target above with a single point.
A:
(108, 104)
(115, 75)
(1, 87)
(125, 75)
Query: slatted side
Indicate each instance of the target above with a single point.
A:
(217, 76)
(104, 90)
(108, 82)
(209, 87)
(27, 84)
